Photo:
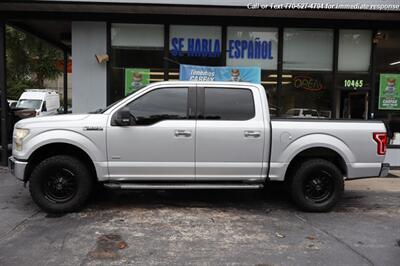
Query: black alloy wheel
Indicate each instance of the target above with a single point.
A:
(316, 185)
(60, 186)
(61, 183)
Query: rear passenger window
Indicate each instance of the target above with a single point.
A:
(228, 104)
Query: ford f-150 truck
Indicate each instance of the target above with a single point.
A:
(193, 135)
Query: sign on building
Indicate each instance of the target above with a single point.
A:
(389, 92)
(135, 79)
(252, 46)
(195, 41)
(208, 73)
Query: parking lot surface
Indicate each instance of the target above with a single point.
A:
(221, 227)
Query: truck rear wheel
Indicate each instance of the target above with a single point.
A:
(316, 185)
(60, 184)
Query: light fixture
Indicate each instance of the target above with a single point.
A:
(394, 63)
(102, 58)
(283, 76)
(275, 82)
(379, 36)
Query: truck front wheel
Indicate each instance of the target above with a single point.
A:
(316, 185)
(60, 184)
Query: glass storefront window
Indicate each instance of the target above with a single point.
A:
(194, 45)
(307, 77)
(387, 78)
(307, 49)
(387, 52)
(255, 46)
(190, 44)
(136, 57)
(269, 81)
(306, 95)
(137, 35)
(354, 50)
(252, 46)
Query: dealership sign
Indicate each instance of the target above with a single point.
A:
(389, 92)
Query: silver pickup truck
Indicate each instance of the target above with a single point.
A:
(193, 135)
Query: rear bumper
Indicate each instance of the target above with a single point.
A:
(384, 170)
(367, 170)
(17, 168)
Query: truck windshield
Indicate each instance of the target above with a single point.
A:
(114, 103)
(31, 104)
(100, 111)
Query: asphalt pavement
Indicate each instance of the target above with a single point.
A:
(221, 227)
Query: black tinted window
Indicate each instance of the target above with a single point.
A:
(160, 104)
(228, 104)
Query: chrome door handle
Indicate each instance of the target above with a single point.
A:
(251, 133)
(183, 133)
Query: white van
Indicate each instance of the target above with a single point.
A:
(45, 102)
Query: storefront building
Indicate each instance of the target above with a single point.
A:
(336, 63)
(334, 71)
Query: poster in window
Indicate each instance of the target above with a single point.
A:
(389, 92)
(135, 79)
(211, 73)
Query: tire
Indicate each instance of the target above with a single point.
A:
(60, 184)
(316, 185)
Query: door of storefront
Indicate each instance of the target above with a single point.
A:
(354, 105)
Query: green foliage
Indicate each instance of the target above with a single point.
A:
(30, 61)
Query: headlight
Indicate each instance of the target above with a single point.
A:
(19, 135)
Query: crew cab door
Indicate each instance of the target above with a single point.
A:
(229, 134)
(160, 145)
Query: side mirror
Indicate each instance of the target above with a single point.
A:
(124, 117)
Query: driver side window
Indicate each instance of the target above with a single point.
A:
(160, 104)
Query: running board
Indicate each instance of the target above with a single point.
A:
(180, 186)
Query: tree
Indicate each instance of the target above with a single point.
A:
(30, 61)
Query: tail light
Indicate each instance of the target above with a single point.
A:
(381, 141)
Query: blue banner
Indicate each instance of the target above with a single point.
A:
(207, 73)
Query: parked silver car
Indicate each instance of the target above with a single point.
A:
(302, 113)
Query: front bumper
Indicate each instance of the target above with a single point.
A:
(384, 170)
(17, 168)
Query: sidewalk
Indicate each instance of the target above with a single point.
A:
(387, 184)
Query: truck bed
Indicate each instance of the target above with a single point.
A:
(352, 140)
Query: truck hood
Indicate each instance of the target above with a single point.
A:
(55, 121)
